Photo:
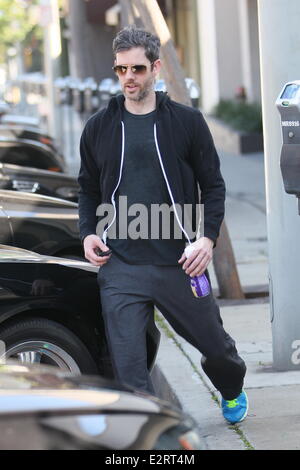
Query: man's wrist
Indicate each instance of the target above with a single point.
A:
(209, 240)
(88, 235)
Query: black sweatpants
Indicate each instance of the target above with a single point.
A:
(128, 295)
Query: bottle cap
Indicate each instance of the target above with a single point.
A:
(189, 250)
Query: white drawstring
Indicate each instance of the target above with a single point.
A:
(104, 237)
(168, 186)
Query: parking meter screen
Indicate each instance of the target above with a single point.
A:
(290, 91)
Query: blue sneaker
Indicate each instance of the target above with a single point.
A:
(235, 410)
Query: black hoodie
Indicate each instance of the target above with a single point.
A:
(187, 153)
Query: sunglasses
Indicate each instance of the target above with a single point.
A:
(135, 69)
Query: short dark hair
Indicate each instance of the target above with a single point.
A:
(131, 36)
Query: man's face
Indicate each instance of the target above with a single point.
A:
(137, 86)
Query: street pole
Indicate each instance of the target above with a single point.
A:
(49, 20)
(279, 36)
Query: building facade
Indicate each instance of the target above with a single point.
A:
(217, 43)
(229, 50)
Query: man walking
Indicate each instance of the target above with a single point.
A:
(153, 151)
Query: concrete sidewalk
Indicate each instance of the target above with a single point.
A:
(273, 421)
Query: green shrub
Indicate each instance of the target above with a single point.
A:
(240, 115)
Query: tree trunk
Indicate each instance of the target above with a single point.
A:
(225, 267)
(152, 19)
(129, 14)
(171, 72)
(90, 45)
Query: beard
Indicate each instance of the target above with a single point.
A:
(142, 92)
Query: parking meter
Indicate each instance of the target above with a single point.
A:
(192, 88)
(91, 98)
(104, 92)
(194, 91)
(78, 96)
(60, 91)
(68, 91)
(288, 104)
(116, 88)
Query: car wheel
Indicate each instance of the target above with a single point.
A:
(39, 340)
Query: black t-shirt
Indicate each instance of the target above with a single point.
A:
(141, 234)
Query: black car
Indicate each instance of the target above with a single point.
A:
(41, 409)
(16, 119)
(39, 223)
(50, 313)
(8, 116)
(33, 180)
(29, 146)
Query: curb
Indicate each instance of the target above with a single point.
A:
(183, 383)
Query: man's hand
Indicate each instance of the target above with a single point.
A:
(90, 244)
(197, 262)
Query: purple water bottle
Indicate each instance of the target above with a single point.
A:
(199, 284)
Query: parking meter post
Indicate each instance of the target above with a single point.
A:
(279, 64)
(78, 96)
(71, 85)
(194, 91)
(71, 132)
(22, 104)
(91, 97)
(59, 93)
(66, 100)
(79, 103)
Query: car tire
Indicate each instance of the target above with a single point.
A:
(39, 340)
